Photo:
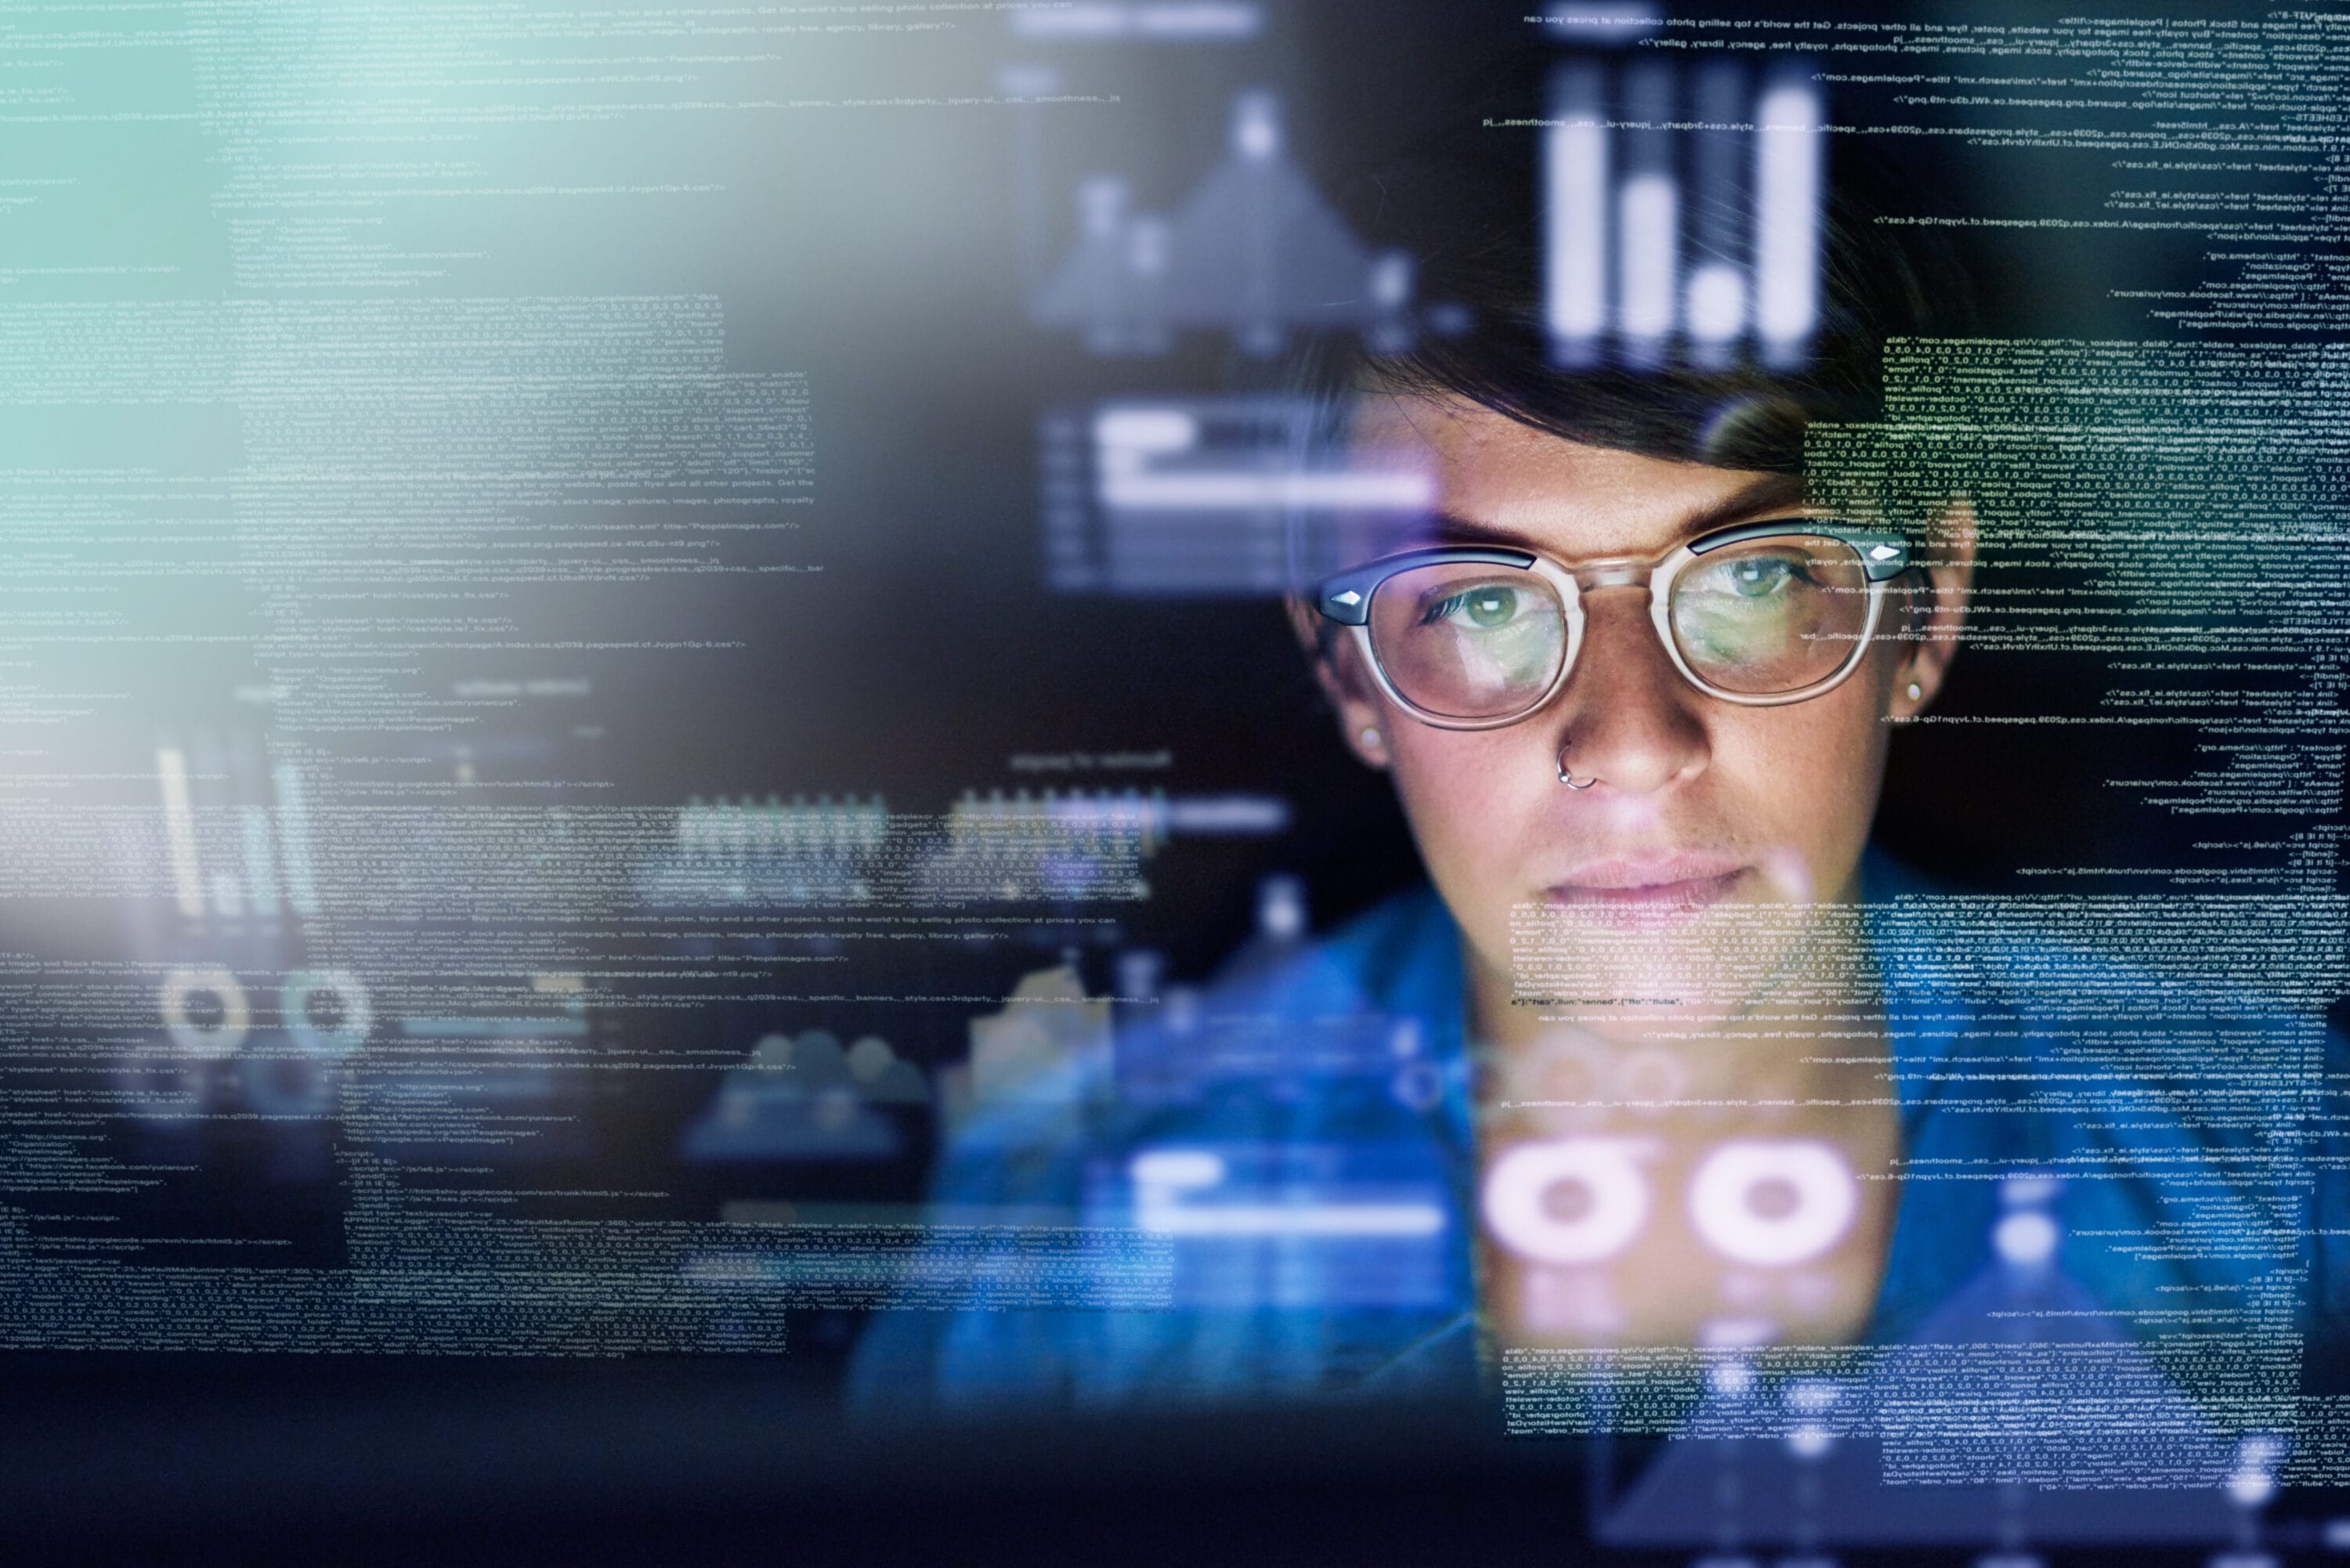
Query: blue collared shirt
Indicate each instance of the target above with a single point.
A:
(1315, 1169)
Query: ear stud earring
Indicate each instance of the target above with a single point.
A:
(1916, 691)
(1373, 740)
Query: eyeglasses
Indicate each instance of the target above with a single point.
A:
(1474, 638)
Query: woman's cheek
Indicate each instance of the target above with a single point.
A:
(1814, 776)
(1480, 837)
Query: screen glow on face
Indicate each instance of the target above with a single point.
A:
(1762, 617)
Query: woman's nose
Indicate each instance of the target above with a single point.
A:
(1626, 717)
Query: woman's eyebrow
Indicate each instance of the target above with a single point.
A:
(1445, 528)
(1765, 495)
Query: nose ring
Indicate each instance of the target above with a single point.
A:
(1567, 779)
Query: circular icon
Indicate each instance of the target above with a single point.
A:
(204, 1010)
(1522, 1189)
(2030, 1237)
(326, 1011)
(1772, 1203)
(287, 1084)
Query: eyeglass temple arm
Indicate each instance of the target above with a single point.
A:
(1346, 597)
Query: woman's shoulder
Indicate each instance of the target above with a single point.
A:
(2091, 951)
(2133, 1049)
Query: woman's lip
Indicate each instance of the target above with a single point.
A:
(1646, 874)
(1616, 894)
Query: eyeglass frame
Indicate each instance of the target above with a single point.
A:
(1346, 599)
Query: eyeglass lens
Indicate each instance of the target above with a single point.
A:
(1761, 618)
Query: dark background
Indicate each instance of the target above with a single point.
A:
(879, 251)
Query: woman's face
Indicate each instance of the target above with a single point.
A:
(1690, 871)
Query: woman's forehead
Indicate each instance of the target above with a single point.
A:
(1488, 473)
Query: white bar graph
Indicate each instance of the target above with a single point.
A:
(1788, 134)
(1575, 215)
(294, 839)
(1714, 313)
(179, 831)
(1648, 223)
(1666, 237)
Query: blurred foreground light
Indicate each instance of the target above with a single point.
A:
(1575, 214)
(1715, 310)
(1177, 1168)
(1209, 21)
(1118, 431)
(1648, 211)
(2027, 1238)
(1771, 1202)
(1518, 1198)
(1730, 1379)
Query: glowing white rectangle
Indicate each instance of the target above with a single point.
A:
(1219, 815)
(1229, 814)
(1787, 156)
(1177, 1168)
(1146, 429)
(1197, 22)
(1291, 1219)
(1210, 21)
(1715, 311)
(260, 859)
(294, 839)
(1575, 225)
(1070, 22)
(179, 831)
(1254, 492)
(1648, 218)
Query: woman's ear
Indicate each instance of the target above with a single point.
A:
(1937, 607)
(1362, 717)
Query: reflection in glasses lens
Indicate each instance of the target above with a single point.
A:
(1467, 641)
(1771, 616)
(1765, 618)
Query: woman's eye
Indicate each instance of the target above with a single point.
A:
(1759, 577)
(1484, 609)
